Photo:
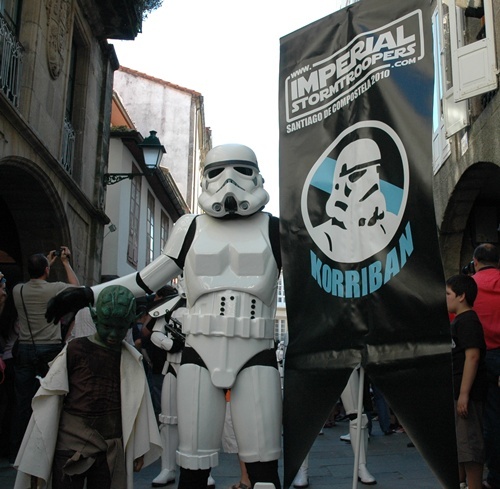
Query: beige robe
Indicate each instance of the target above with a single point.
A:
(139, 426)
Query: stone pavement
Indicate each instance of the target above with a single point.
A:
(394, 465)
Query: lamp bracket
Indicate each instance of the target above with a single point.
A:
(112, 178)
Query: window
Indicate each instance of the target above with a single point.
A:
(164, 230)
(75, 108)
(11, 51)
(449, 115)
(279, 329)
(68, 140)
(473, 61)
(440, 145)
(281, 292)
(150, 228)
(10, 10)
(135, 207)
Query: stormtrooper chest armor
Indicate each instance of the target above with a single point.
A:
(231, 278)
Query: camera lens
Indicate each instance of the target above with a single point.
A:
(469, 269)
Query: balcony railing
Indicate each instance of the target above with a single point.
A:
(68, 147)
(11, 56)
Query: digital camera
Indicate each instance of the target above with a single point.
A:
(469, 268)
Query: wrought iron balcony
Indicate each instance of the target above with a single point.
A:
(11, 56)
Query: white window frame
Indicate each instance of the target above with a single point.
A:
(474, 64)
(164, 229)
(441, 148)
(134, 219)
(150, 228)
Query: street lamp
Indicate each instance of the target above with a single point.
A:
(153, 152)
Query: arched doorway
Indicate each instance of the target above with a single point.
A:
(32, 217)
(472, 215)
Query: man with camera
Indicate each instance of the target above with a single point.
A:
(39, 340)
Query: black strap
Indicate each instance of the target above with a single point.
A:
(274, 237)
(142, 285)
(180, 303)
(28, 321)
(188, 240)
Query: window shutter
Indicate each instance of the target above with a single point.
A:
(474, 64)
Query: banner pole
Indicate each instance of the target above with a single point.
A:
(358, 430)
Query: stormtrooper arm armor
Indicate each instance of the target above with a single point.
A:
(148, 280)
(163, 313)
(161, 340)
(159, 336)
(154, 276)
(158, 272)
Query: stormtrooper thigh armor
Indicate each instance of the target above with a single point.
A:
(255, 409)
(256, 413)
(200, 426)
(350, 401)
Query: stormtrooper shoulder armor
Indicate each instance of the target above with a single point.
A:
(175, 242)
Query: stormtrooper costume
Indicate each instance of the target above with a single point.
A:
(168, 416)
(169, 433)
(349, 399)
(231, 262)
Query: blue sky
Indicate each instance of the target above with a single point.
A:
(229, 52)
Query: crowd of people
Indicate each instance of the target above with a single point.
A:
(85, 412)
(487, 306)
(473, 300)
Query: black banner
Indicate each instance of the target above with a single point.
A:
(363, 276)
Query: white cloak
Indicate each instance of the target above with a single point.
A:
(139, 426)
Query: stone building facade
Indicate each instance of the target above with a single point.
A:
(142, 209)
(467, 129)
(56, 80)
(178, 116)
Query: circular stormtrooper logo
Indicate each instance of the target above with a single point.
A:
(355, 195)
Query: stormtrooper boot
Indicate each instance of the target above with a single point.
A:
(364, 475)
(169, 440)
(346, 438)
(302, 477)
(210, 482)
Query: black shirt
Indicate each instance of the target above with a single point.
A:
(467, 332)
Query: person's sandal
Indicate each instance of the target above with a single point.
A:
(240, 485)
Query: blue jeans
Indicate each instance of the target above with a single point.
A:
(26, 384)
(155, 386)
(383, 410)
(492, 418)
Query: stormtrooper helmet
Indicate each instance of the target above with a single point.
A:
(231, 182)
